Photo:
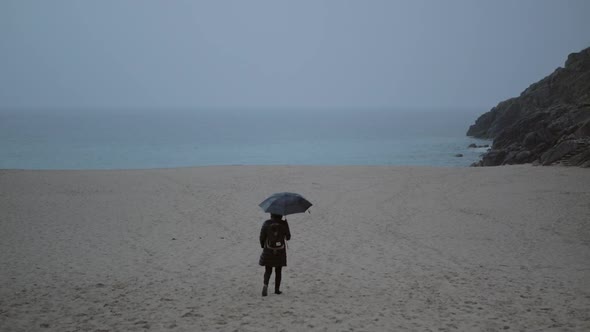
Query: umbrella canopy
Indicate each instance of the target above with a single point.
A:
(285, 204)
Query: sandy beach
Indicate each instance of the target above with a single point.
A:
(384, 248)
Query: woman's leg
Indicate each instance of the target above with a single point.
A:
(278, 275)
(267, 273)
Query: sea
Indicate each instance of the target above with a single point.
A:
(145, 140)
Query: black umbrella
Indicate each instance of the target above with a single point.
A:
(285, 204)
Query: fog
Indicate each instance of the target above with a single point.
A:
(279, 56)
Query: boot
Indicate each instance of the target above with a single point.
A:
(277, 291)
(265, 290)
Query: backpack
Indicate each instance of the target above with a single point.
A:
(275, 237)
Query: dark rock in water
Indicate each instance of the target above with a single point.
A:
(473, 145)
(533, 126)
(459, 155)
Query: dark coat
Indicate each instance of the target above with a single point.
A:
(270, 257)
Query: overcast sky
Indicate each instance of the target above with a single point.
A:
(98, 55)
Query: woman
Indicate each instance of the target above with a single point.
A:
(273, 234)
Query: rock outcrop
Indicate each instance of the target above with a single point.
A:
(548, 123)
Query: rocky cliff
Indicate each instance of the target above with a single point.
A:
(548, 123)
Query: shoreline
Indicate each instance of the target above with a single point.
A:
(269, 166)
